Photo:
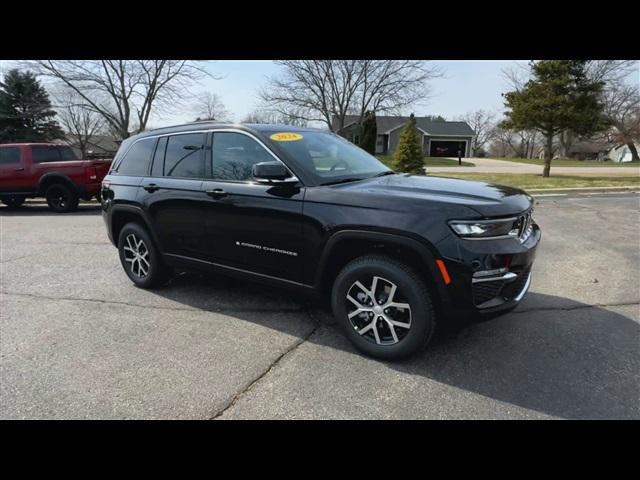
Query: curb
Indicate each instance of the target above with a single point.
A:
(551, 191)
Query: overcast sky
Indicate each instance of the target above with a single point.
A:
(467, 85)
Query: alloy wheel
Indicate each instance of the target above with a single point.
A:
(378, 311)
(136, 254)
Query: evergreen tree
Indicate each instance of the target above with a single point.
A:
(25, 110)
(369, 133)
(559, 98)
(408, 156)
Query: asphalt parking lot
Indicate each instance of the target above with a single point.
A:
(78, 340)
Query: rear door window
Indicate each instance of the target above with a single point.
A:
(43, 154)
(138, 158)
(52, 153)
(184, 156)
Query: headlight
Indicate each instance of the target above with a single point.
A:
(485, 228)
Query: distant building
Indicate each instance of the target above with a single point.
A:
(603, 151)
(589, 150)
(440, 138)
(98, 146)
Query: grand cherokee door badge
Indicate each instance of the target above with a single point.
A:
(268, 249)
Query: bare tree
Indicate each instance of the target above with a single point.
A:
(209, 106)
(517, 75)
(611, 71)
(510, 143)
(80, 122)
(502, 144)
(622, 109)
(328, 90)
(528, 143)
(124, 92)
(621, 98)
(285, 117)
(483, 124)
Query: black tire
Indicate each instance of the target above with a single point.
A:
(410, 289)
(61, 198)
(13, 202)
(157, 273)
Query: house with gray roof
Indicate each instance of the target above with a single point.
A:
(440, 138)
(97, 146)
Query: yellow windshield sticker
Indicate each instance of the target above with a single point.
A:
(285, 137)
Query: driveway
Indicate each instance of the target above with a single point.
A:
(488, 165)
(78, 340)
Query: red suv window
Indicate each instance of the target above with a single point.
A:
(9, 155)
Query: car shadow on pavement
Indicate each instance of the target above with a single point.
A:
(552, 355)
(43, 209)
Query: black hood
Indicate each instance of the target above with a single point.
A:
(486, 199)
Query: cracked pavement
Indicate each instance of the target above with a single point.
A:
(78, 340)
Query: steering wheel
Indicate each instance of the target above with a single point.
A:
(339, 162)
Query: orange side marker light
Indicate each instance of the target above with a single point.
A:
(443, 271)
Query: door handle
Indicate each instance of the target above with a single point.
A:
(217, 193)
(152, 187)
(21, 169)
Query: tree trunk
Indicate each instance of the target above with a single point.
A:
(634, 152)
(548, 155)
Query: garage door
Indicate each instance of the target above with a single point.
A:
(441, 148)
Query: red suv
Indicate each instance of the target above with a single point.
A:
(51, 171)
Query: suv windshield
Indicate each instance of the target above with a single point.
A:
(327, 157)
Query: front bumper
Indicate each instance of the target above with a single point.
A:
(488, 276)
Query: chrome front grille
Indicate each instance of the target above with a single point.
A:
(525, 225)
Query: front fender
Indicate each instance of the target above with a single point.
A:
(422, 248)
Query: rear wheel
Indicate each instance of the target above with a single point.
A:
(140, 257)
(13, 202)
(61, 198)
(384, 307)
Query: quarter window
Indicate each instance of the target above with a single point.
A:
(9, 155)
(235, 154)
(184, 156)
(137, 159)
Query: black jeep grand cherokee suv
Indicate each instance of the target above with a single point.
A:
(306, 209)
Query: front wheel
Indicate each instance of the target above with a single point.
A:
(383, 306)
(140, 257)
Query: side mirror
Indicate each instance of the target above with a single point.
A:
(272, 172)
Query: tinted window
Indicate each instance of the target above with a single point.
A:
(9, 155)
(136, 161)
(46, 153)
(42, 153)
(234, 155)
(184, 156)
(157, 169)
(67, 154)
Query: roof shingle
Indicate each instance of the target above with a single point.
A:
(385, 124)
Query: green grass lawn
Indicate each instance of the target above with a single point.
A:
(428, 161)
(568, 162)
(531, 181)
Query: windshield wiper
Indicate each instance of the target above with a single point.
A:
(343, 180)
(386, 172)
